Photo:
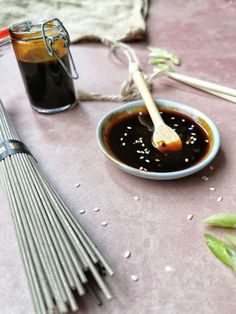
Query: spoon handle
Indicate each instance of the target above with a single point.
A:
(139, 80)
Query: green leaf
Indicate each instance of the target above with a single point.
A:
(231, 238)
(158, 53)
(222, 220)
(223, 251)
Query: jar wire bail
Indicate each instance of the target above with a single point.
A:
(50, 40)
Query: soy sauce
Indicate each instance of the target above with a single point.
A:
(130, 140)
(47, 84)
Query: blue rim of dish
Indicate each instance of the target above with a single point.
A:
(188, 110)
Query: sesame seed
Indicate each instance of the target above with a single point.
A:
(77, 185)
(219, 199)
(141, 168)
(183, 120)
(211, 168)
(123, 144)
(187, 142)
(186, 160)
(138, 151)
(207, 141)
(161, 112)
(143, 145)
(127, 254)
(192, 126)
(140, 113)
(190, 217)
(136, 198)
(176, 125)
(81, 211)
(190, 129)
(193, 133)
(157, 160)
(96, 209)
(121, 138)
(134, 277)
(172, 118)
(147, 160)
(168, 269)
(125, 134)
(104, 223)
(141, 157)
(129, 127)
(144, 169)
(205, 178)
(212, 188)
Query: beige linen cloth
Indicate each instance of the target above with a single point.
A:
(84, 19)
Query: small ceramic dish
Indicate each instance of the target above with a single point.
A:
(136, 106)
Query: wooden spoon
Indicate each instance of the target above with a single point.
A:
(164, 138)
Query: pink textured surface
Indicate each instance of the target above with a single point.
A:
(155, 229)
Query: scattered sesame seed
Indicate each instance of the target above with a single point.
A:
(172, 118)
(138, 151)
(77, 185)
(205, 178)
(219, 199)
(212, 188)
(176, 125)
(96, 209)
(141, 168)
(187, 142)
(141, 157)
(192, 126)
(125, 134)
(121, 138)
(207, 141)
(136, 197)
(157, 160)
(186, 160)
(143, 145)
(147, 160)
(123, 144)
(129, 127)
(190, 129)
(192, 142)
(183, 120)
(127, 254)
(190, 217)
(134, 277)
(161, 112)
(168, 268)
(81, 211)
(104, 223)
(211, 168)
(140, 113)
(144, 169)
(193, 133)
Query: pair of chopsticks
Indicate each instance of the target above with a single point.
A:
(212, 88)
(208, 87)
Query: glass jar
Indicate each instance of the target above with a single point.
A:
(43, 55)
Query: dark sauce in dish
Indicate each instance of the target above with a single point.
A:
(130, 140)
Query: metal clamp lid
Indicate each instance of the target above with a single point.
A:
(50, 40)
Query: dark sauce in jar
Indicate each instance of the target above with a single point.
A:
(47, 84)
(130, 140)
